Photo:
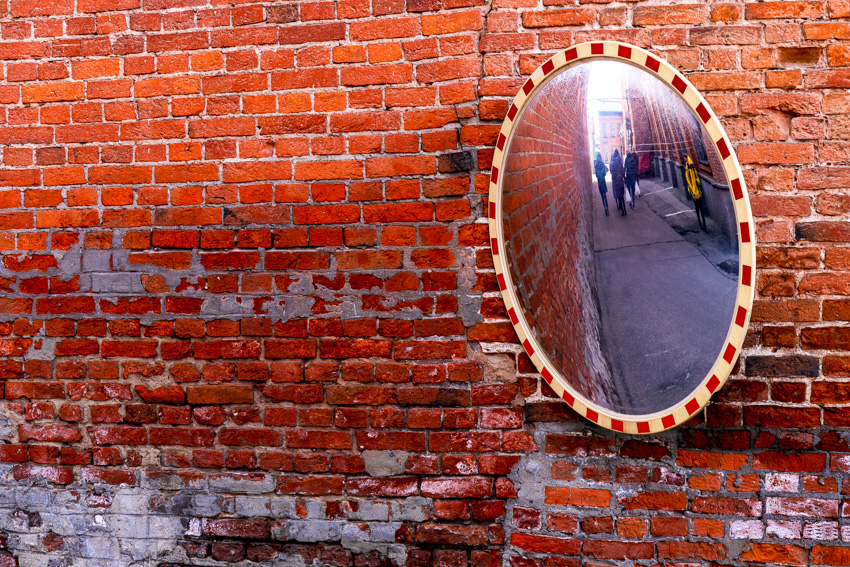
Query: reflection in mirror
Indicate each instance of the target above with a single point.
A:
(620, 236)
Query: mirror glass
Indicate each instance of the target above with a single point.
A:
(620, 235)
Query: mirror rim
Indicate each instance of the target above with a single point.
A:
(683, 410)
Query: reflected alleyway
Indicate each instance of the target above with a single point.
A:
(666, 292)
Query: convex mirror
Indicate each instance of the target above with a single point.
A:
(622, 236)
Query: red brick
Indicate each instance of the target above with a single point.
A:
(701, 551)
(545, 544)
(187, 437)
(311, 485)
(255, 171)
(34, 390)
(376, 75)
(257, 528)
(304, 79)
(583, 497)
(361, 395)
(602, 549)
(774, 416)
(55, 92)
(220, 394)
(500, 42)
(348, 348)
(305, 439)
(385, 487)
(830, 555)
(656, 501)
(718, 505)
(560, 18)
(786, 9)
(250, 436)
(290, 348)
(478, 441)
(56, 475)
(776, 554)
(34, 8)
(118, 435)
(408, 212)
(392, 166)
(711, 460)
(13, 453)
(384, 29)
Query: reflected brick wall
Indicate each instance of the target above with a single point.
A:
(665, 127)
(546, 189)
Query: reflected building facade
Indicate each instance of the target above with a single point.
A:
(608, 136)
(664, 133)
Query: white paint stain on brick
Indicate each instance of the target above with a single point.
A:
(746, 529)
(781, 482)
(784, 529)
(822, 531)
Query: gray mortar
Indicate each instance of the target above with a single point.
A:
(310, 531)
(298, 307)
(85, 282)
(533, 473)
(142, 526)
(372, 511)
(412, 509)
(6, 432)
(469, 302)
(114, 283)
(68, 262)
(384, 463)
(97, 261)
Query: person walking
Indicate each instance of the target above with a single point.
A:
(695, 191)
(601, 170)
(631, 167)
(618, 182)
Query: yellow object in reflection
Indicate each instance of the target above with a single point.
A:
(694, 187)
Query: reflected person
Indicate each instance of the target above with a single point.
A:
(631, 166)
(601, 170)
(618, 182)
(695, 191)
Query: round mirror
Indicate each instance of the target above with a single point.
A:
(622, 236)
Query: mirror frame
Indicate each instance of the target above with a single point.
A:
(725, 361)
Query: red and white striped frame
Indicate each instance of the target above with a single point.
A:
(699, 397)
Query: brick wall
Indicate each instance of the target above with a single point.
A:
(248, 311)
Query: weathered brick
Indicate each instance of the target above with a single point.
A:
(321, 239)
